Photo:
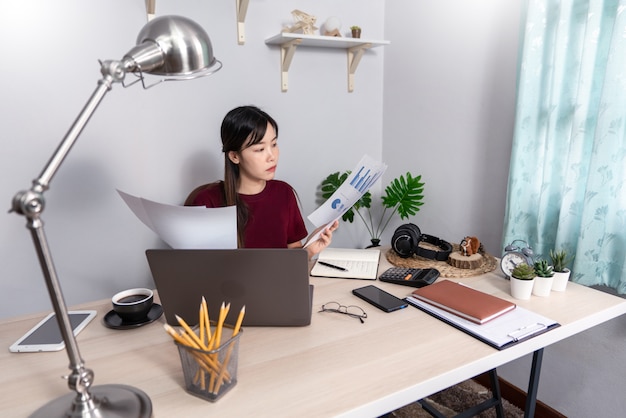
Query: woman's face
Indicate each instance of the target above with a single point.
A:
(257, 163)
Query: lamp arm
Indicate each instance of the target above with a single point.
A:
(31, 204)
(112, 71)
(80, 378)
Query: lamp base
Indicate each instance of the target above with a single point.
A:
(108, 401)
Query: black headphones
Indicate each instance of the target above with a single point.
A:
(405, 242)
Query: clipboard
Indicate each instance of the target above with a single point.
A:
(503, 332)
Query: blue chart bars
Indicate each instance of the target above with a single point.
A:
(363, 182)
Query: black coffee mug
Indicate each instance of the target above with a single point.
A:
(133, 305)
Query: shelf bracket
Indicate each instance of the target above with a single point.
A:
(354, 57)
(242, 9)
(286, 55)
(150, 9)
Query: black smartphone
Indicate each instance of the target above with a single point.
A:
(379, 298)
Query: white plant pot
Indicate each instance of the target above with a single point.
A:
(559, 281)
(521, 289)
(542, 286)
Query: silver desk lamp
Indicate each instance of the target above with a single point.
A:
(175, 48)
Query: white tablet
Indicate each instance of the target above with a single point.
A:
(46, 335)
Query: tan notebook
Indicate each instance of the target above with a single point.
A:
(463, 301)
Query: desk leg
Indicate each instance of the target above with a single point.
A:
(494, 401)
(533, 384)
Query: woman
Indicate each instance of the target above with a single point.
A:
(268, 215)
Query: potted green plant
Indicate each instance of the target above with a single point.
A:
(356, 31)
(543, 281)
(403, 196)
(522, 281)
(560, 261)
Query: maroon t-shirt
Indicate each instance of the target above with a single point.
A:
(274, 216)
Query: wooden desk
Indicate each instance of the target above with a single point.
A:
(334, 367)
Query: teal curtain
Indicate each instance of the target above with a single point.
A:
(567, 180)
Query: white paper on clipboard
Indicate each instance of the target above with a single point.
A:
(512, 327)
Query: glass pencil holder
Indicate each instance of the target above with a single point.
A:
(209, 374)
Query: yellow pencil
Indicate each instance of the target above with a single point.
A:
(201, 324)
(242, 312)
(207, 322)
(174, 334)
(190, 332)
(224, 372)
(217, 337)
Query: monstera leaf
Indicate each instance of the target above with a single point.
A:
(330, 185)
(403, 195)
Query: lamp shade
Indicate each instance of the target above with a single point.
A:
(172, 46)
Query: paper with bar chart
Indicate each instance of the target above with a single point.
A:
(364, 175)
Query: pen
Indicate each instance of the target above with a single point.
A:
(332, 265)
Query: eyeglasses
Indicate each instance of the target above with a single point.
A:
(352, 310)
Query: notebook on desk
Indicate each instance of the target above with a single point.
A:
(347, 263)
(273, 284)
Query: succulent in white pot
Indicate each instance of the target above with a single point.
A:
(522, 281)
(560, 260)
(544, 279)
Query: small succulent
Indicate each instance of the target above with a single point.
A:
(543, 269)
(560, 260)
(355, 27)
(523, 271)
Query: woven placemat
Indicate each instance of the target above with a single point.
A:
(446, 270)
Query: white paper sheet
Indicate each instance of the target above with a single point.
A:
(187, 227)
(364, 175)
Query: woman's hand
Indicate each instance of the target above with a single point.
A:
(323, 240)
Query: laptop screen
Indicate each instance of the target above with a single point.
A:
(272, 283)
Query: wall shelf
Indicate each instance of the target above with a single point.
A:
(242, 9)
(289, 41)
(150, 9)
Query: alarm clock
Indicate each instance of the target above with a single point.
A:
(514, 255)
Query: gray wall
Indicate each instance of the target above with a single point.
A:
(438, 101)
(162, 142)
(449, 99)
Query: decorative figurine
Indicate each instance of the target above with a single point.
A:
(304, 22)
(332, 27)
(469, 246)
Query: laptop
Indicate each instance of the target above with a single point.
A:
(272, 283)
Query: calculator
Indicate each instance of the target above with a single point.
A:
(413, 277)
